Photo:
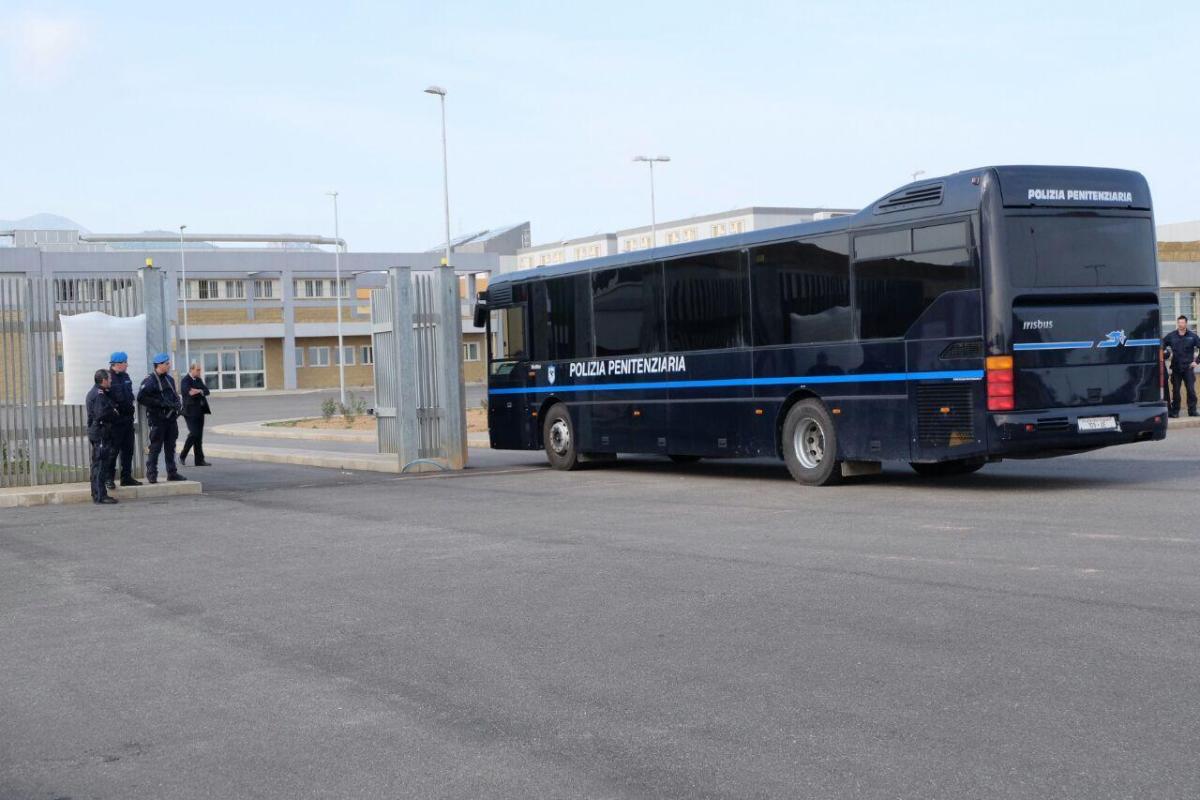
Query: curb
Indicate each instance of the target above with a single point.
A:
(259, 430)
(71, 493)
(1183, 422)
(329, 459)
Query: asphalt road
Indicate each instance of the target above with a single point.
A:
(638, 630)
(251, 407)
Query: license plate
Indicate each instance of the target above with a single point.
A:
(1089, 424)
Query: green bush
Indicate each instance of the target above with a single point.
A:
(328, 406)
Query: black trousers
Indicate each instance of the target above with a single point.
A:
(1187, 378)
(163, 435)
(195, 439)
(123, 443)
(101, 468)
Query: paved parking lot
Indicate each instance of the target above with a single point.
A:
(639, 630)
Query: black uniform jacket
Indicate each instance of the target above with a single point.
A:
(121, 394)
(101, 414)
(158, 395)
(1183, 349)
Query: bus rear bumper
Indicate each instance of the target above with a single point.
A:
(1056, 431)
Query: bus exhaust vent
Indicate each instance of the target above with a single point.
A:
(929, 194)
(968, 348)
(500, 295)
(944, 414)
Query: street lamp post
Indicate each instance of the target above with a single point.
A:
(337, 292)
(187, 352)
(450, 340)
(653, 222)
(441, 93)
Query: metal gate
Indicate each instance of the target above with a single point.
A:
(43, 441)
(418, 367)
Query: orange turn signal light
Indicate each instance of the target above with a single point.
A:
(999, 362)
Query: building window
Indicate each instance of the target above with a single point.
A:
(235, 290)
(264, 290)
(208, 290)
(366, 354)
(737, 226)
(719, 229)
(470, 351)
(672, 237)
(233, 367)
(299, 356)
(688, 234)
(347, 352)
(318, 356)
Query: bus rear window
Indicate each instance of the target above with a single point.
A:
(1065, 251)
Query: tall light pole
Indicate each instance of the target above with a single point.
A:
(653, 222)
(187, 352)
(450, 340)
(337, 292)
(441, 93)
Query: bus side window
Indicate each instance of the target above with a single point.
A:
(509, 340)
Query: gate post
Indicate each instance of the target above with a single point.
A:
(155, 298)
(404, 370)
(449, 368)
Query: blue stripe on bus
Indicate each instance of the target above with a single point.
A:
(1142, 342)
(961, 374)
(1053, 346)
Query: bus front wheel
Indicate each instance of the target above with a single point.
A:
(810, 444)
(558, 434)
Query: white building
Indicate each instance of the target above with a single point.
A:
(708, 226)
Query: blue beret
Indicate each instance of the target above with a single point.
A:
(118, 358)
(162, 358)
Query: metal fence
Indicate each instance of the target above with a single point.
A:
(43, 441)
(418, 389)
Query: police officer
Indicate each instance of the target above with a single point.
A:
(161, 401)
(121, 394)
(101, 414)
(1182, 344)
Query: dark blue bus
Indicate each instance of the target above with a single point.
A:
(1003, 312)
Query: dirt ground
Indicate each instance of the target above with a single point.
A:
(476, 422)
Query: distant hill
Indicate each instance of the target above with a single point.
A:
(43, 222)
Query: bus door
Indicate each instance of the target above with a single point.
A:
(511, 423)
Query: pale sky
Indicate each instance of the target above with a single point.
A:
(238, 117)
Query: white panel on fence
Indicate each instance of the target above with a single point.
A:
(87, 342)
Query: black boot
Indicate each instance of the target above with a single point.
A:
(130, 482)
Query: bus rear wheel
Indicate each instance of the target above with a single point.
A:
(558, 434)
(810, 444)
(945, 469)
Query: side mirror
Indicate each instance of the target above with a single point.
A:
(481, 310)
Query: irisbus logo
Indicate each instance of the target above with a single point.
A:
(1038, 325)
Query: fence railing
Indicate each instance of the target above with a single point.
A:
(42, 440)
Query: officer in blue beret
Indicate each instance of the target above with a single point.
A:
(161, 401)
(121, 394)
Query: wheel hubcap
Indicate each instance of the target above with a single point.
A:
(560, 437)
(809, 443)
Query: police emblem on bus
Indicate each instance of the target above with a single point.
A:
(1112, 339)
(550, 373)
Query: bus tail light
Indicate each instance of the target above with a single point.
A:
(1000, 393)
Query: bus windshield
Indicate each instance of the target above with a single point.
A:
(1068, 251)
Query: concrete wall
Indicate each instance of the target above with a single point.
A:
(327, 377)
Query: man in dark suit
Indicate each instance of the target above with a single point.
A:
(195, 407)
(158, 396)
(101, 414)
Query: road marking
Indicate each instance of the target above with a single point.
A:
(1123, 538)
